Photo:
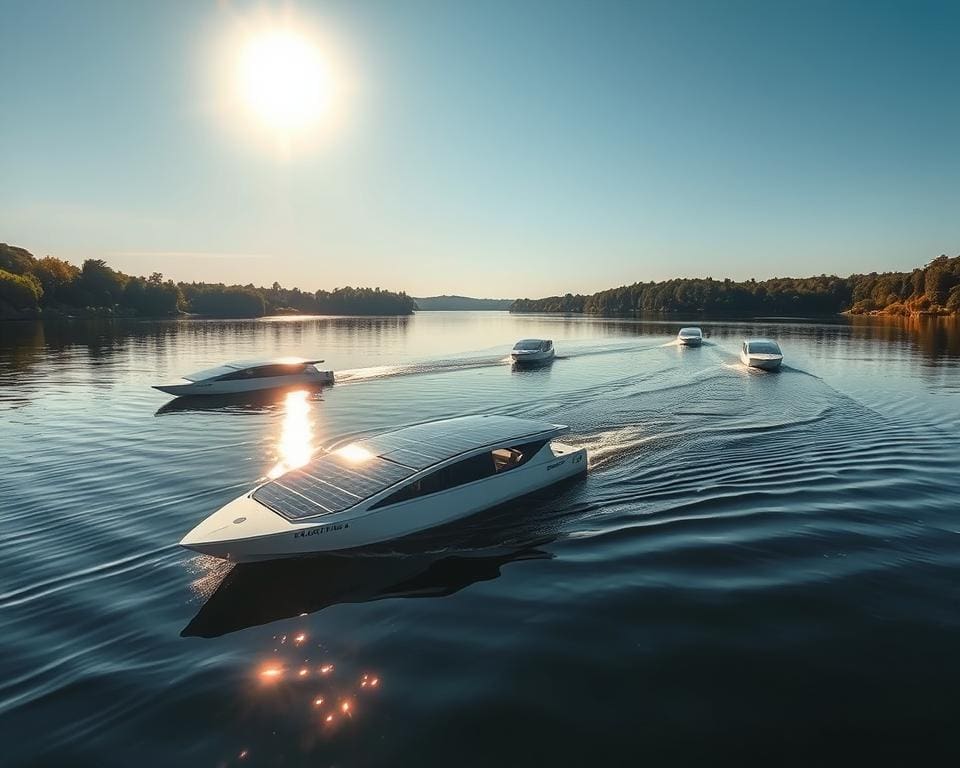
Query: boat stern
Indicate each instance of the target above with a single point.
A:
(322, 377)
(567, 460)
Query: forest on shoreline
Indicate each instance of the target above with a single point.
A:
(930, 290)
(49, 286)
(32, 287)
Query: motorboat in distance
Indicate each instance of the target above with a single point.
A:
(385, 487)
(690, 337)
(249, 376)
(532, 351)
(761, 353)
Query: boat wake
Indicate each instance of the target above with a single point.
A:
(375, 373)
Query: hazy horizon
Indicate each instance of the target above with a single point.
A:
(493, 151)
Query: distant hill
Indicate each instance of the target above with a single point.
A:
(447, 303)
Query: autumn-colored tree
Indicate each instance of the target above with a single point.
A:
(56, 276)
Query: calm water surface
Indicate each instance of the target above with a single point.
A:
(757, 566)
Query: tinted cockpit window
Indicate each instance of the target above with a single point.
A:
(264, 372)
(763, 348)
(529, 345)
(469, 470)
(510, 458)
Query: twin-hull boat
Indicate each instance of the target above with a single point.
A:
(532, 351)
(250, 376)
(761, 353)
(386, 487)
(690, 337)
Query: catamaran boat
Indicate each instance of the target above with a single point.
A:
(690, 337)
(532, 351)
(385, 487)
(761, 353)
(249, 376)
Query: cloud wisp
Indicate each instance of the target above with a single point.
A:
(190, 255)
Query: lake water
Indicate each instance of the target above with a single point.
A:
(757, 566)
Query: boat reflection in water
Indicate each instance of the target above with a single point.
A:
(253, 594)
(263, 401)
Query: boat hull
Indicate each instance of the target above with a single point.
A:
(237, 386)
(221, 536)
(763, 362)
(532, 358)
(690, 341)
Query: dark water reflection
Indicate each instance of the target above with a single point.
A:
(241, 403)
(259, 593)
(756, 568)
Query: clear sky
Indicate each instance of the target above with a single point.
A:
(490, 148)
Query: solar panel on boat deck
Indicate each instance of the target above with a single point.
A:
(423, 445)
(327, 485)
(331, 483)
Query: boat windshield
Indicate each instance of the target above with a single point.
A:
(210, 373)
(763, 348)
(529, 345)
(690, 332)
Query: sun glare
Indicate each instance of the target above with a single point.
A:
(355, 454)
(284, 80)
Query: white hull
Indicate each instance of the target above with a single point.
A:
(531, 358)
(245, 530)
(236, 386)
(764, 362)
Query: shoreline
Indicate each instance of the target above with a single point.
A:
(899, 313)
(57, 316)
(666, 316)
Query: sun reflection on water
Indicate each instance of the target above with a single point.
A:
(209, 573)
(323, 705)
(296, 444)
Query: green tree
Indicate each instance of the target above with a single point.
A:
(100, 285)
(225, 301)
(953, 300)
(152, 298)
(19, 291)
(938, 280)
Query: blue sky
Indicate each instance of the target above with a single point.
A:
(490, 148)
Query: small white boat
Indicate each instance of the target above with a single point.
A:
(385, 487)
(249, 376)
(761, 353)
(530, 351)
(690, 337)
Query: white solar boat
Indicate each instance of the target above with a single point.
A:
(385, 487)
(532, 351)
(690, 337)
(249, 376)
(761, 353)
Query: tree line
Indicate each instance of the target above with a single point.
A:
(933, 289)
(28, 284)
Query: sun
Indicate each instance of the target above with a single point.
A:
(283, 80)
